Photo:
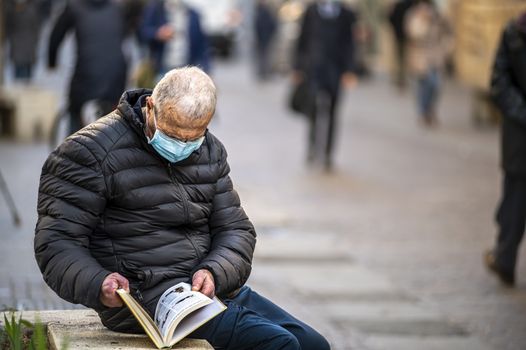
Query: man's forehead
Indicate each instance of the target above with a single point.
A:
(182, 127)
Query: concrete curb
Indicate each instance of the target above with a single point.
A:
(82, 329)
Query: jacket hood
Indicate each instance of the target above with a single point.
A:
(126, 108)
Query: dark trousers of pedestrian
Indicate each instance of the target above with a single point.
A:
(263, 61)
(23, 71)
(511, 217)
(253, 322)
(76, 120)
(400, 78)
(428, 88)
(322, 126)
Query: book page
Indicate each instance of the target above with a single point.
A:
(197, 319)
(175, 303)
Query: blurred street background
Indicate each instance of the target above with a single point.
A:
(382, 252)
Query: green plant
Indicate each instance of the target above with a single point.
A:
(38, 339)
(2, 337)
(13, 330)
(20, 334)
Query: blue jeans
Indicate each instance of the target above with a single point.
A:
(254, 322)
(427, 92)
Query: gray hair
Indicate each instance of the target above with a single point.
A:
(188, 91)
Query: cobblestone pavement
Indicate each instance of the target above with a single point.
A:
(383, 253)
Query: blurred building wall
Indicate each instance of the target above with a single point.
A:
(2, 43)
(478, 25)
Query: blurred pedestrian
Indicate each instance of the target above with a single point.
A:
(101, 67)
(508, 89)
(397, 19)
(428, 47)
(265, 25)
(174, 36)
(324, 58)
(23, 25)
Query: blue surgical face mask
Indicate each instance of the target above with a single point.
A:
(172, 149)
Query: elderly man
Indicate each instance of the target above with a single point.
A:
(142, 199)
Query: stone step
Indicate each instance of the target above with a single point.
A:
(82, 329)
(427, 343)
(404, 327)
(96, 336)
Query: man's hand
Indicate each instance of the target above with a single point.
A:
(165, 33)
(112, 282)
(349, 80)
(297, 77)
(203, 282)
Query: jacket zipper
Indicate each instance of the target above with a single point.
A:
(192, 242)
(186, 211)
(138, 294)
(183, 194)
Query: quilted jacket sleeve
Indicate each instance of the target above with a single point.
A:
(71, 201)
(233, 237)
(504, 91)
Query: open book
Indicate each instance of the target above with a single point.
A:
(179, 312)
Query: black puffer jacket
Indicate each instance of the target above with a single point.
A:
(107, 202)
(508, 89)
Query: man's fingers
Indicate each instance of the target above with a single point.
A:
(197, 281)
(123, 282)
(109, 286)
(111, 283)
(117, 281)
(208, 287)
(203, 281)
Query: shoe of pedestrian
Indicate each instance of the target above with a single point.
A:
(311, 155)
(327, 165)
(508, 279)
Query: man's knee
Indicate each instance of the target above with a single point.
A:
(313, 340)
(285, 341)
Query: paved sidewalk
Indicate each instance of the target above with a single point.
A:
(384, 253)
(356, 307)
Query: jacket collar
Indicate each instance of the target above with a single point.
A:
(129, 108)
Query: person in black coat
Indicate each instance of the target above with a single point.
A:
(508, 89)
(142, 199)
(23, 23)
(265, 25)
(324, 58)
(100, 68)
(397, 20)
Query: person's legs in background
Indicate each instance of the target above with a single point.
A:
(427, 96)
(312, 119)
(75, 118)
(23, 71)
(434, 93)
(263, 61)
(400, 75)
(511, 217)
(331, 129)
